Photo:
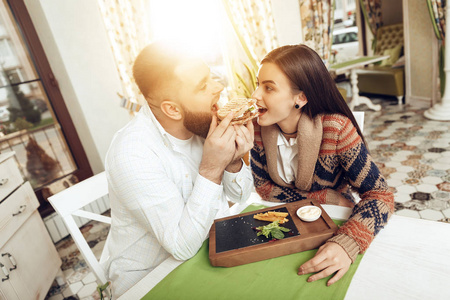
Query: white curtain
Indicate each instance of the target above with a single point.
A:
(254, 29)
(127, 27)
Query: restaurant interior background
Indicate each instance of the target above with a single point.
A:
(66, 89)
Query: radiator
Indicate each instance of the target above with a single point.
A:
(58, 230)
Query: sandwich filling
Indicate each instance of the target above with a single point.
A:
(244, 110)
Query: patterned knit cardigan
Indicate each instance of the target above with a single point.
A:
(332, 158)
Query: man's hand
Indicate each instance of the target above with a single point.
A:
(330, 258)
(219, 149)
(244, 143)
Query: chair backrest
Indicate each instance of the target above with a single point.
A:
(69, 203)
(388, 37)
(359, 117)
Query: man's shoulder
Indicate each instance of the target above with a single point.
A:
(136, 136)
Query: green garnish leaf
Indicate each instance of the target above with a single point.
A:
(277, 233)
(284, 229)
(273, 229)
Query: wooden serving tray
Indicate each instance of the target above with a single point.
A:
(234, 242)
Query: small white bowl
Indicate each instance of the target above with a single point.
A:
(309, 213)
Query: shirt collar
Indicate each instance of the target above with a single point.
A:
(148, 113)
(283, 141)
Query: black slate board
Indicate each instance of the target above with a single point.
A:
(238, 233)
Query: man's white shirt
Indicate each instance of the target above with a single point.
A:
(160, 205)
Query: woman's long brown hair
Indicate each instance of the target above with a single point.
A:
(307, 72)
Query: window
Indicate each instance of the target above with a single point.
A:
(34, 121)
(345, 32)
(345, 38)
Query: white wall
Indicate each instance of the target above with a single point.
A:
(77, 47)
(288, 25)
(420, 52)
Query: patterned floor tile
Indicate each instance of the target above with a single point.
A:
(432, 180)
(441, 195)
(408, 213)
(394, 182)
(444, 186)
(437, 173)
(446, 213)
(426, 188)
(431, 214)
(406, 189)
(402, 198)
(411, 181)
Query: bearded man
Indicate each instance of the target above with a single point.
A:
(171, 169)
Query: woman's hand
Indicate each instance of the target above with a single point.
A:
(330, 258)
(244, 139)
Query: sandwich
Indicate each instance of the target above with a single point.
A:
(244, 110)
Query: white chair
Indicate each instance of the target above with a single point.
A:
(359, 116)
(69, 203)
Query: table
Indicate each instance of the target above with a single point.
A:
(353, 65)
(409, 259)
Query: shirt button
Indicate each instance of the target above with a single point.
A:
(187, 175)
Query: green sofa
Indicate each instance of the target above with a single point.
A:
(387, 78)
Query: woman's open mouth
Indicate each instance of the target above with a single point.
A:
(262, 110)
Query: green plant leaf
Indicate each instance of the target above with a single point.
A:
(247, 92)
(252, 74)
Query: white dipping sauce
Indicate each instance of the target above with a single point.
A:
(309, 213)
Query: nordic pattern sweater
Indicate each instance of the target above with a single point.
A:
(332, 161)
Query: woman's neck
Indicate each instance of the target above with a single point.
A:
(289, 126)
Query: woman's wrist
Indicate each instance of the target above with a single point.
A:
(349, 244)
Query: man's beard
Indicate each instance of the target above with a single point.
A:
(197, 122)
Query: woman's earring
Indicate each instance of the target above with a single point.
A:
(297, 106)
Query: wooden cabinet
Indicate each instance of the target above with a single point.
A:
(28, 258)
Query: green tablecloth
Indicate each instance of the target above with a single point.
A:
(274, 278)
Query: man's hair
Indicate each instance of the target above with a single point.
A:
(153, 71)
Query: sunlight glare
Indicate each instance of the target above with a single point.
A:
(194, 23)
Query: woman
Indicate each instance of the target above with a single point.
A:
(308, 145)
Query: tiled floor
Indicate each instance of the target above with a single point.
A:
(412, 152)
(80, 282)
